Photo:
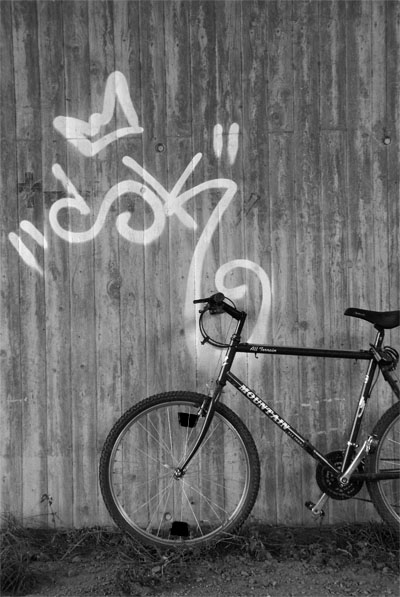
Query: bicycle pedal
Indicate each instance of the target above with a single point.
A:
(312, 507)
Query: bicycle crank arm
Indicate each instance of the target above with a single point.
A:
(317, 509)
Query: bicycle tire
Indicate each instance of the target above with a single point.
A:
(141, 453)
(385, 495)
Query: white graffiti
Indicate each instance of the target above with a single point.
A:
(238, 293)
(196, 274)
(233, 141)
(25, 253)
(79, 204)
(34, 232)
(163, 203)
(80, 133)
(218, 140)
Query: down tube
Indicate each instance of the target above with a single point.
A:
(278, 420)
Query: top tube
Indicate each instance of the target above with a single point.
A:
(365, 355)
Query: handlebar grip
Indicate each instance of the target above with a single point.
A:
(216, 299)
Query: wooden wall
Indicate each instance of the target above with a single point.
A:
(284, 119)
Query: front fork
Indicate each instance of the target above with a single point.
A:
(208, 408)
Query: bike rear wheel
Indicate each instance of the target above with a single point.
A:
(141, 454)
(385, 494)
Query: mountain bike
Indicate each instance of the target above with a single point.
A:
(181, 468)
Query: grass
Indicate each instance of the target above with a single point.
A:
(373, 545)
(16, 545)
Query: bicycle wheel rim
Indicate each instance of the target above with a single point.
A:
(388, 457)
(194, 509)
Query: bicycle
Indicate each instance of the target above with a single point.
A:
(181, 468)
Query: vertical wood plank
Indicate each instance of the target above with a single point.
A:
(107, 273)
(393, 107)
(229, 114)
(10, 374)
(132, 255)
(332, 23)
(180, 152)
(379, 150)
(83, 343)
(334, 402)
(333, 168)
(284, 309)
(359, 155)
(281, 97)
(157, 271)
(56, 266)
(310, 304)
(280, 108)
(380, 172)
(155, 164)
(360, 167)
(258, 240)
(203, 105)
(393, 132)
(32, 298)
(255, 81)
(280, 71)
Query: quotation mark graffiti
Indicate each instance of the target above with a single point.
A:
(233, 141)
(25, 253)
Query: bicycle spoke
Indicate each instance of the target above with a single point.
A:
(208, 501)
(149, 502)
(164, 511)
(193, 513)
(160, 441)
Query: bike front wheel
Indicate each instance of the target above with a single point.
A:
(146, 446)
(385, 494)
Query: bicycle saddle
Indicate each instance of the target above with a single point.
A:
(381, 319)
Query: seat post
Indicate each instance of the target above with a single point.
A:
(380, 334)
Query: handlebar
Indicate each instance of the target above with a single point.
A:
(216, 304)
(216, 299)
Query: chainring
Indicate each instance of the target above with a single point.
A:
(329, 483)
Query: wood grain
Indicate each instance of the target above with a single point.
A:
(296, 103)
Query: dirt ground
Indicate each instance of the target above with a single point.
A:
(235, 576)
(275, 563)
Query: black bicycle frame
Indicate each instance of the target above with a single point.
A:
(226, 375)
(305, 443)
